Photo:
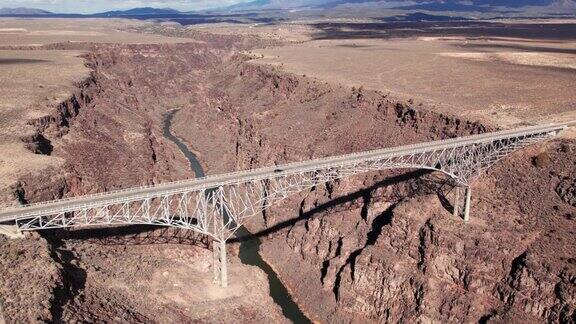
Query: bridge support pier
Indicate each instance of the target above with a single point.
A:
(467, 204)
(12, 231)
(2, 319)
(220, 263)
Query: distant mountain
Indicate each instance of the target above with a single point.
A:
(256, 4)
(430, 5)
(495, 5)
(23, 12)
(146, 11)
(277, 4)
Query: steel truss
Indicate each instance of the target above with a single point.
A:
(219, 209)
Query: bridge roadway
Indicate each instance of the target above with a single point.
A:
(119, 196)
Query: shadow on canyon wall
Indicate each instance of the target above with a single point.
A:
(130, 235)
(366, 194)
(74, 277)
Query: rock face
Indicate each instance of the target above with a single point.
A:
(27, 296)
(567, 191)
(390, 253)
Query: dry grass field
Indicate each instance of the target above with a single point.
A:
(20, 32)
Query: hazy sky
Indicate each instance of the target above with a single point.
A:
(91, 6)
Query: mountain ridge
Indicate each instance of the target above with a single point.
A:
(139, 11)
(24, 11)
(434, 5)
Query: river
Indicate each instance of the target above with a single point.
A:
(249, 252)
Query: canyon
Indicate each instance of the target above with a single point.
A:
(377, 247)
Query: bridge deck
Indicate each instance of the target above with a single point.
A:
(76, 203)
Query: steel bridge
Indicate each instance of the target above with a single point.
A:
(218, 205)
